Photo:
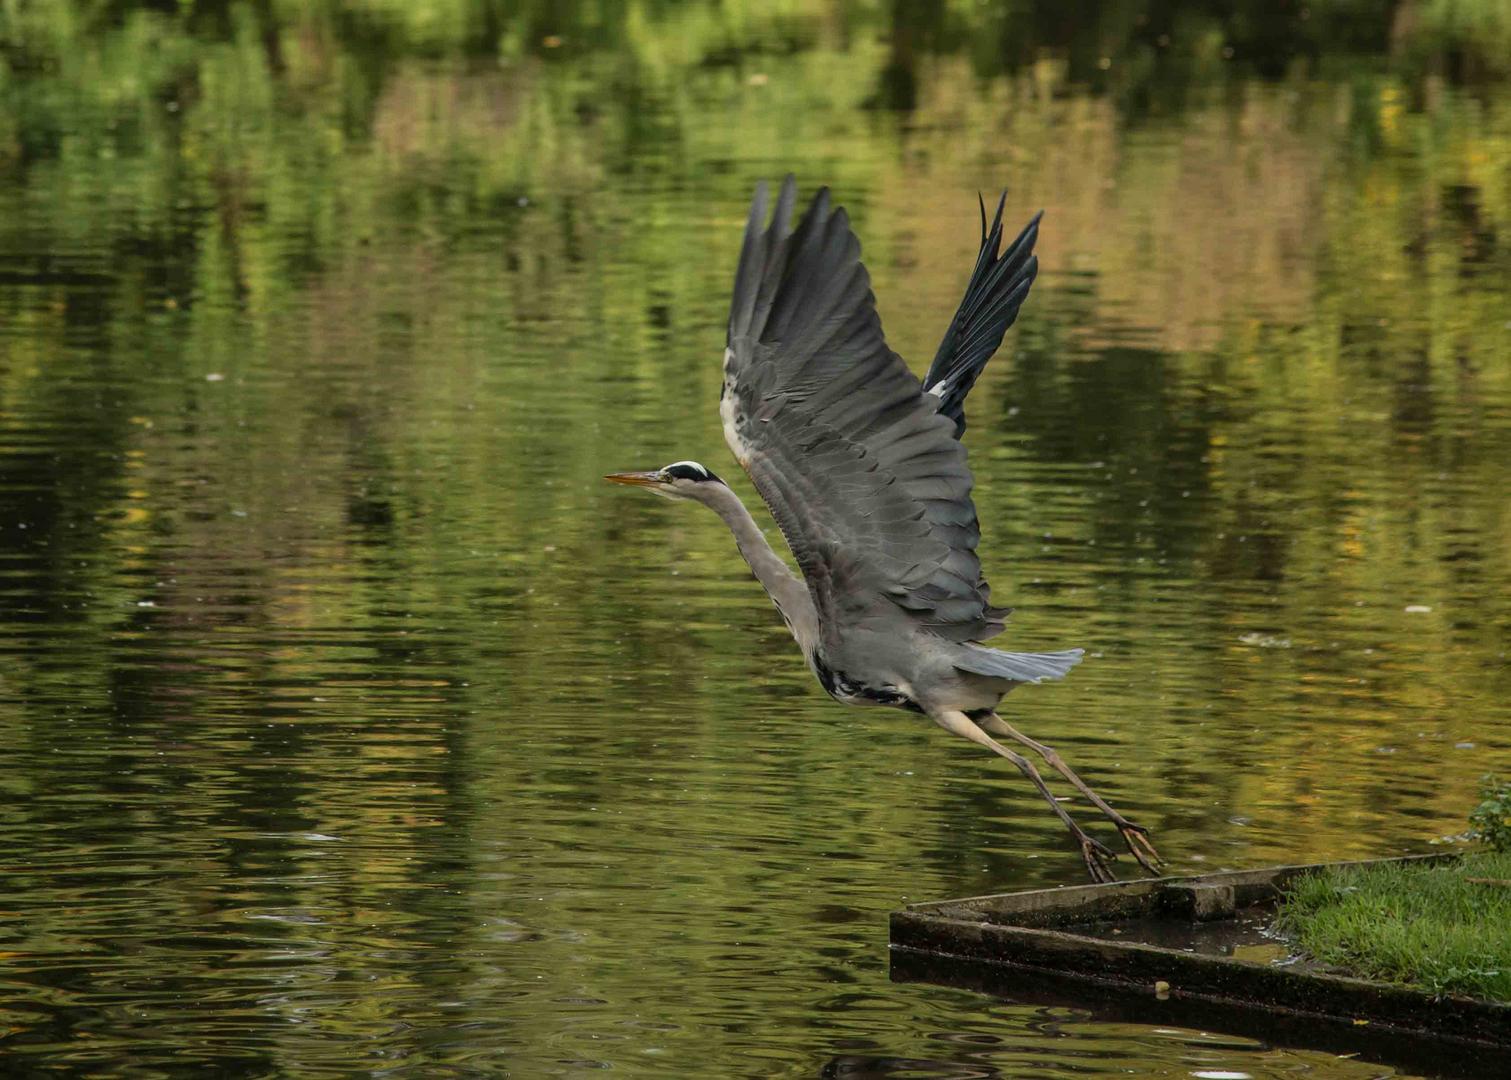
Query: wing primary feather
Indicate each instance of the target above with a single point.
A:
(773, 255)
(996, 291)
(748, 273)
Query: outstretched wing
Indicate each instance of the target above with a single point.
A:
(862, 472)
(997, 289)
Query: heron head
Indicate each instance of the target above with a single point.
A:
(679, 480)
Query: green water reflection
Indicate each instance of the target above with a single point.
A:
(351, 723)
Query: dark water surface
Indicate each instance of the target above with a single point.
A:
(351, 724)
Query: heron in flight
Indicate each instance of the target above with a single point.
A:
(863, 470)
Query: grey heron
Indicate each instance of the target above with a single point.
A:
(862, 468)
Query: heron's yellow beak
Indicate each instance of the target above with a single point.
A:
(636, 479)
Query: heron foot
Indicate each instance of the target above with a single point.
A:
(1140, 846)
(1098, 856)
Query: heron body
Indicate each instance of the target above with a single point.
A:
(862, 468)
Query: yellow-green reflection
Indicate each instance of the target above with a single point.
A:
(350, 718)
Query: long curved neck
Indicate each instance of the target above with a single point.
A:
(786, 589)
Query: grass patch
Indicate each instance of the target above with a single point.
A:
(1424, 926)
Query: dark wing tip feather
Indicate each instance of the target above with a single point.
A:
(748, 269)
(998, 286)
(764, 243)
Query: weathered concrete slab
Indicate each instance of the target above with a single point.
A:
(1065, 931)
(1402, 1052)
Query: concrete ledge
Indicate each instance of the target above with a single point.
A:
(1066, 931)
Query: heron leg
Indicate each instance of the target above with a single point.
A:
(1135, 836)
(1096, 854)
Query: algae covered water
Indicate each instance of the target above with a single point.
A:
(351, 724)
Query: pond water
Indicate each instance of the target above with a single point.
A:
(352, 724)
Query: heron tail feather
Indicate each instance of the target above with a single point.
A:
(1019, 667)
